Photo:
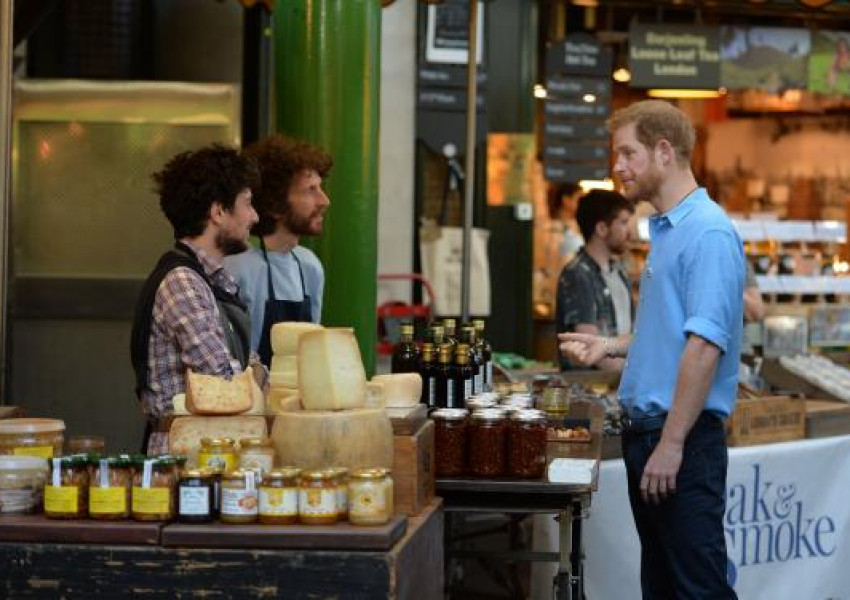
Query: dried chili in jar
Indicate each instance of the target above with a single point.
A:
(527, 444)
(488, 443)
(450, 441)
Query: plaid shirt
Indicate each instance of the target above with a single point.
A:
(186, 333)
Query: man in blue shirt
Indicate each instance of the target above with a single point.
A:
(681, 370)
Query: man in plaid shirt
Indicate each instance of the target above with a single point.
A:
(189, 315)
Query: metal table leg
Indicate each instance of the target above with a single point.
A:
(569, 581)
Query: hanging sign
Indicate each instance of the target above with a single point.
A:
(674, 56)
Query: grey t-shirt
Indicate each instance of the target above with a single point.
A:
(621, 299)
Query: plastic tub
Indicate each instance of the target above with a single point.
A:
(43, 438)
(22, 481)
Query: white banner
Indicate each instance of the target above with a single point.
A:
(787, 526)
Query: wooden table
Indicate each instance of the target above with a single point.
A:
(88, 559)
(569, 501)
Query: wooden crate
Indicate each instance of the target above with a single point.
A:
(413, 470)
(826, 419)
(767, 419)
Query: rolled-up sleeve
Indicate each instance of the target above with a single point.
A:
(715, 287)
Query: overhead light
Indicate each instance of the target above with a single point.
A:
(589, 98)
(540, 91)
(586, 3)
(671, 93)
(623, 75)
(595, 184)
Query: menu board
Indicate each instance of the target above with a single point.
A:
(674, 56)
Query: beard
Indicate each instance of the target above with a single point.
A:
(644, 187)
(302, 224)
(230, 245)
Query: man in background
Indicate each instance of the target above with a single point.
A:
(594, 294)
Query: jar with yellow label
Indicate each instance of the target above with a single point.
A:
(109, 487)
(256, 454)
(154, 485)
(340, 475)
(279, 496)
(218, 453)
(67, 491)
(43, 438)
(317, 498)
(239, 499)
(370, 497)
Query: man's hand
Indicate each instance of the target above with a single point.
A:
(659, 475)
(583, 348)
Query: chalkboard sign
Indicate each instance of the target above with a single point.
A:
(674, 56)
(579, 54)
(447, 32)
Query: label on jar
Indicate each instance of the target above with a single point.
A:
(342, 499)
(369, 501)
(194, 500)
(151, 501)
(278, 502)
(147, 473)
(225, 462)
(56, 472)
(432, 391)
(317, 502)
(236, 501)
(107, 500)
(479, 381)
(38, 451)
(256, 462)
(450, 397)
(467, 388)
(488, 377)
(61, 499)
(20, 500)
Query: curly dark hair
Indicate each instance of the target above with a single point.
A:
(191, 182)
(280, 159)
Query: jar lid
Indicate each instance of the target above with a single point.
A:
(71, 460)
(494, 396)
(166, 460)
(196, 473)
(121, 461)
(282, 473)
(369, 474)
(476, 403)
(489, 414)
(22, 463)
(13, 426)
(338, 471)
(317, 474)
(239, 474)
(217, 441)
(450, 414)
(254, 442)
(529, 415)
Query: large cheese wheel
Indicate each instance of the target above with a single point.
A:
(400, 389)
(186, 433)
(330, 370)
(284, 336)
(357, 439)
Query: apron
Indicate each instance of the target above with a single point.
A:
(277, 311)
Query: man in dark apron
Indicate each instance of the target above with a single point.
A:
(281, 280)
(189, 315)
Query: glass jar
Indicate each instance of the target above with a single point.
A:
(256, 454)
(555, 401)
(487, 443)
(218, 453)
(195, 496)
(154, 486)
(86, 444)
(109, 487)
(66, 494)
(371, 497)
(518, 401)
(215, 476)
(21, 484)
(340, 475)
(279, 496)
(450, 441)
(477, 403)
(527, 444)
(239, 502)
(43, 438)
(317, 498)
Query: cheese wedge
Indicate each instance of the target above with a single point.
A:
(330, 370)
(214, 395)
(400, 389)
(284, 336)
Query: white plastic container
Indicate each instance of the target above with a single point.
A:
(22, 481)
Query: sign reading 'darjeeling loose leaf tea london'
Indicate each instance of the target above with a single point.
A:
(674, 56)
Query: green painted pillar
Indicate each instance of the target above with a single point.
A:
(327, 88)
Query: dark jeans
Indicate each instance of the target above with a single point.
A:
(683, 548)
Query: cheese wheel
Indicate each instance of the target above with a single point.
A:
(330, 370)
(284, 336)
(357, 439)
(186, 433)
(400, 389)
(214, 395)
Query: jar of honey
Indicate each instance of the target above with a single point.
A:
(154, 487)
(370, 496)
(67, 491)
(256, 454)
(317, 498)
(239, 497)
(340, 475)
(109, 487)
(218, 453)
(279, 496)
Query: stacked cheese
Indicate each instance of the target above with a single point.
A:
(334, 429)
(217, 407)
(283, 374)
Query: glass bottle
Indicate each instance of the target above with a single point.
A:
(475, 359)
(486, 352)
(461, 373)
(437, 334)
(445, 392)
(428, 372)
(405, 357)
(450, 328)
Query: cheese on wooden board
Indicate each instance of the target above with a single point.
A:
(186, 433)
(357, 439)
(282, 399)
(330, 370)
(400, 389)
(214, 395)
(284, 336)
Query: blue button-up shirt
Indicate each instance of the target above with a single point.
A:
(692, 283)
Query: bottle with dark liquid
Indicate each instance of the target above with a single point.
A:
(450, 329)
(428, 371)
(461, 376)
(405, 354)
(444, 394)
(485, 351)
(475, 359)
(437, 335)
